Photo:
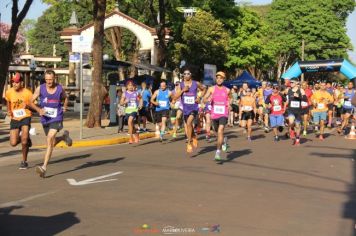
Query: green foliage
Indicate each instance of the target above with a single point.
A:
(204, 41)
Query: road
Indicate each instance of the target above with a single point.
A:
(264, 188)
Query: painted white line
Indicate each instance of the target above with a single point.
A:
(18, 203)
(93, 180)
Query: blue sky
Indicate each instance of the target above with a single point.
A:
(38, 7)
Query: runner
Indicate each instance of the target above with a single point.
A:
(143, 113)
(266, 92)
(176, 110)
(247, 112)
(219, 111)
(207, 117)
(51, 96)
(330, 90)
(321, 99)
(234, 105)
(295, 96)
(306, 107)
(188, 91)
(161, 99)
(277, 105)
(133, 102)
(18, 101)
(347, 108)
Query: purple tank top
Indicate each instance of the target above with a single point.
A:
(188, 98)
(52, 105)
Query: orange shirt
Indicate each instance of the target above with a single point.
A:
(18, 103)
(247, 103)
(321, 99)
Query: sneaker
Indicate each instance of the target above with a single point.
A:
(266, 129)
(276, 138)
(329, 126)
(136, 138)
(296, 142)
(304, 133)
(67, 139)
(321, 137)
(292, 134)
(130, 140)
(174, 135)
(195, 142)
(29, 143)
(249, 139)
(41, 171)
(189, 148)
(23, 165)
(217, 156)
(207, 138)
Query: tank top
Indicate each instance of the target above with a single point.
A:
(347, 102)
(188, 98)
(163, 100)
(294, 103)
(132, 105)
(52, 105)
(247, 104)
(219, 102)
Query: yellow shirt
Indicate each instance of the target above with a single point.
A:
(321, 99)
(19, 101)
(259, 95)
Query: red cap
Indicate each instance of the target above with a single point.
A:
(16, 78)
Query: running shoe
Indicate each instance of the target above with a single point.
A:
(174, 135)
(23, 165)
(189, 148)
(304, 133)
(195, 142)
(217, 156)
(207, 138)
(266, 129)
(41, 171)
(276, 138)
(131, 140)
(296, 142)
(292, 134)
(329, 126)
(67, 139)
(249, 139)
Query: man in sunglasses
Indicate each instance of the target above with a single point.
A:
(18, 100)
(188, 91)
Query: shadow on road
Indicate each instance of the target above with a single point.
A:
(19, 151)
(236, 154)
(35, 225)
(70, 158)
(89, 164)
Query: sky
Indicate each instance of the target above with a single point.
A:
(37, 8)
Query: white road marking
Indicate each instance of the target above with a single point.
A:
(93, 180)
(18, 203)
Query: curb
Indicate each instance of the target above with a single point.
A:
(101, 142)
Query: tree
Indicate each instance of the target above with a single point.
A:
(98, 91)
(7, 46)
(204, 40)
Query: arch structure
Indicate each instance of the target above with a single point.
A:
(342, 65)
(145, 34)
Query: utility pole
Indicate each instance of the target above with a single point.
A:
(302, 77)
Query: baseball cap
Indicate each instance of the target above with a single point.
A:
(16, 78)
(222, 74)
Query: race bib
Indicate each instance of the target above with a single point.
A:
(219, 110)
(277, 108)
(321, 105)
(19, 113)
(247, 108)
(347, 103)
(50, 112)
(189, 100)
(304, 104)
(177, 105)
(132, 105)
(162, 103)
(295, 104)
(209, 107)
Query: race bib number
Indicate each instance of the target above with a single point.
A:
(277, 108)
(219, 110)
(347, 103)
(295, 104)
(19, 113)
(321, 105)
(247, 108)
(209, 107)
(189, 100)
(50, 112)
(304, 104)
(132, 105)
(162, 103)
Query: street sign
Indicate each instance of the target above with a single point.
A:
(74, 58)
(82, 44)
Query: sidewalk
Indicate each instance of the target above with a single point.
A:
(91, 137)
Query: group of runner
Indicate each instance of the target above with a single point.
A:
(293, 105)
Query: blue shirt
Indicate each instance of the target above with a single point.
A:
(146, 97)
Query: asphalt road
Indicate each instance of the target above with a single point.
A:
(264, 188)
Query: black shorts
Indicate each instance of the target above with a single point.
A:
(305, 111)
(160, 114)
(174, 112)
(218, 122)
(143, 112)
(330, 107)
(297, 116)
(133, 114)
(58, 125)
(235, 108)
(17, 124)
(248, 115)
(192, 113)
(347, 110)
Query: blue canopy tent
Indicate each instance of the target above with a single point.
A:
(245, 77)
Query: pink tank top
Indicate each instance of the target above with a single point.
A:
(219, 103)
